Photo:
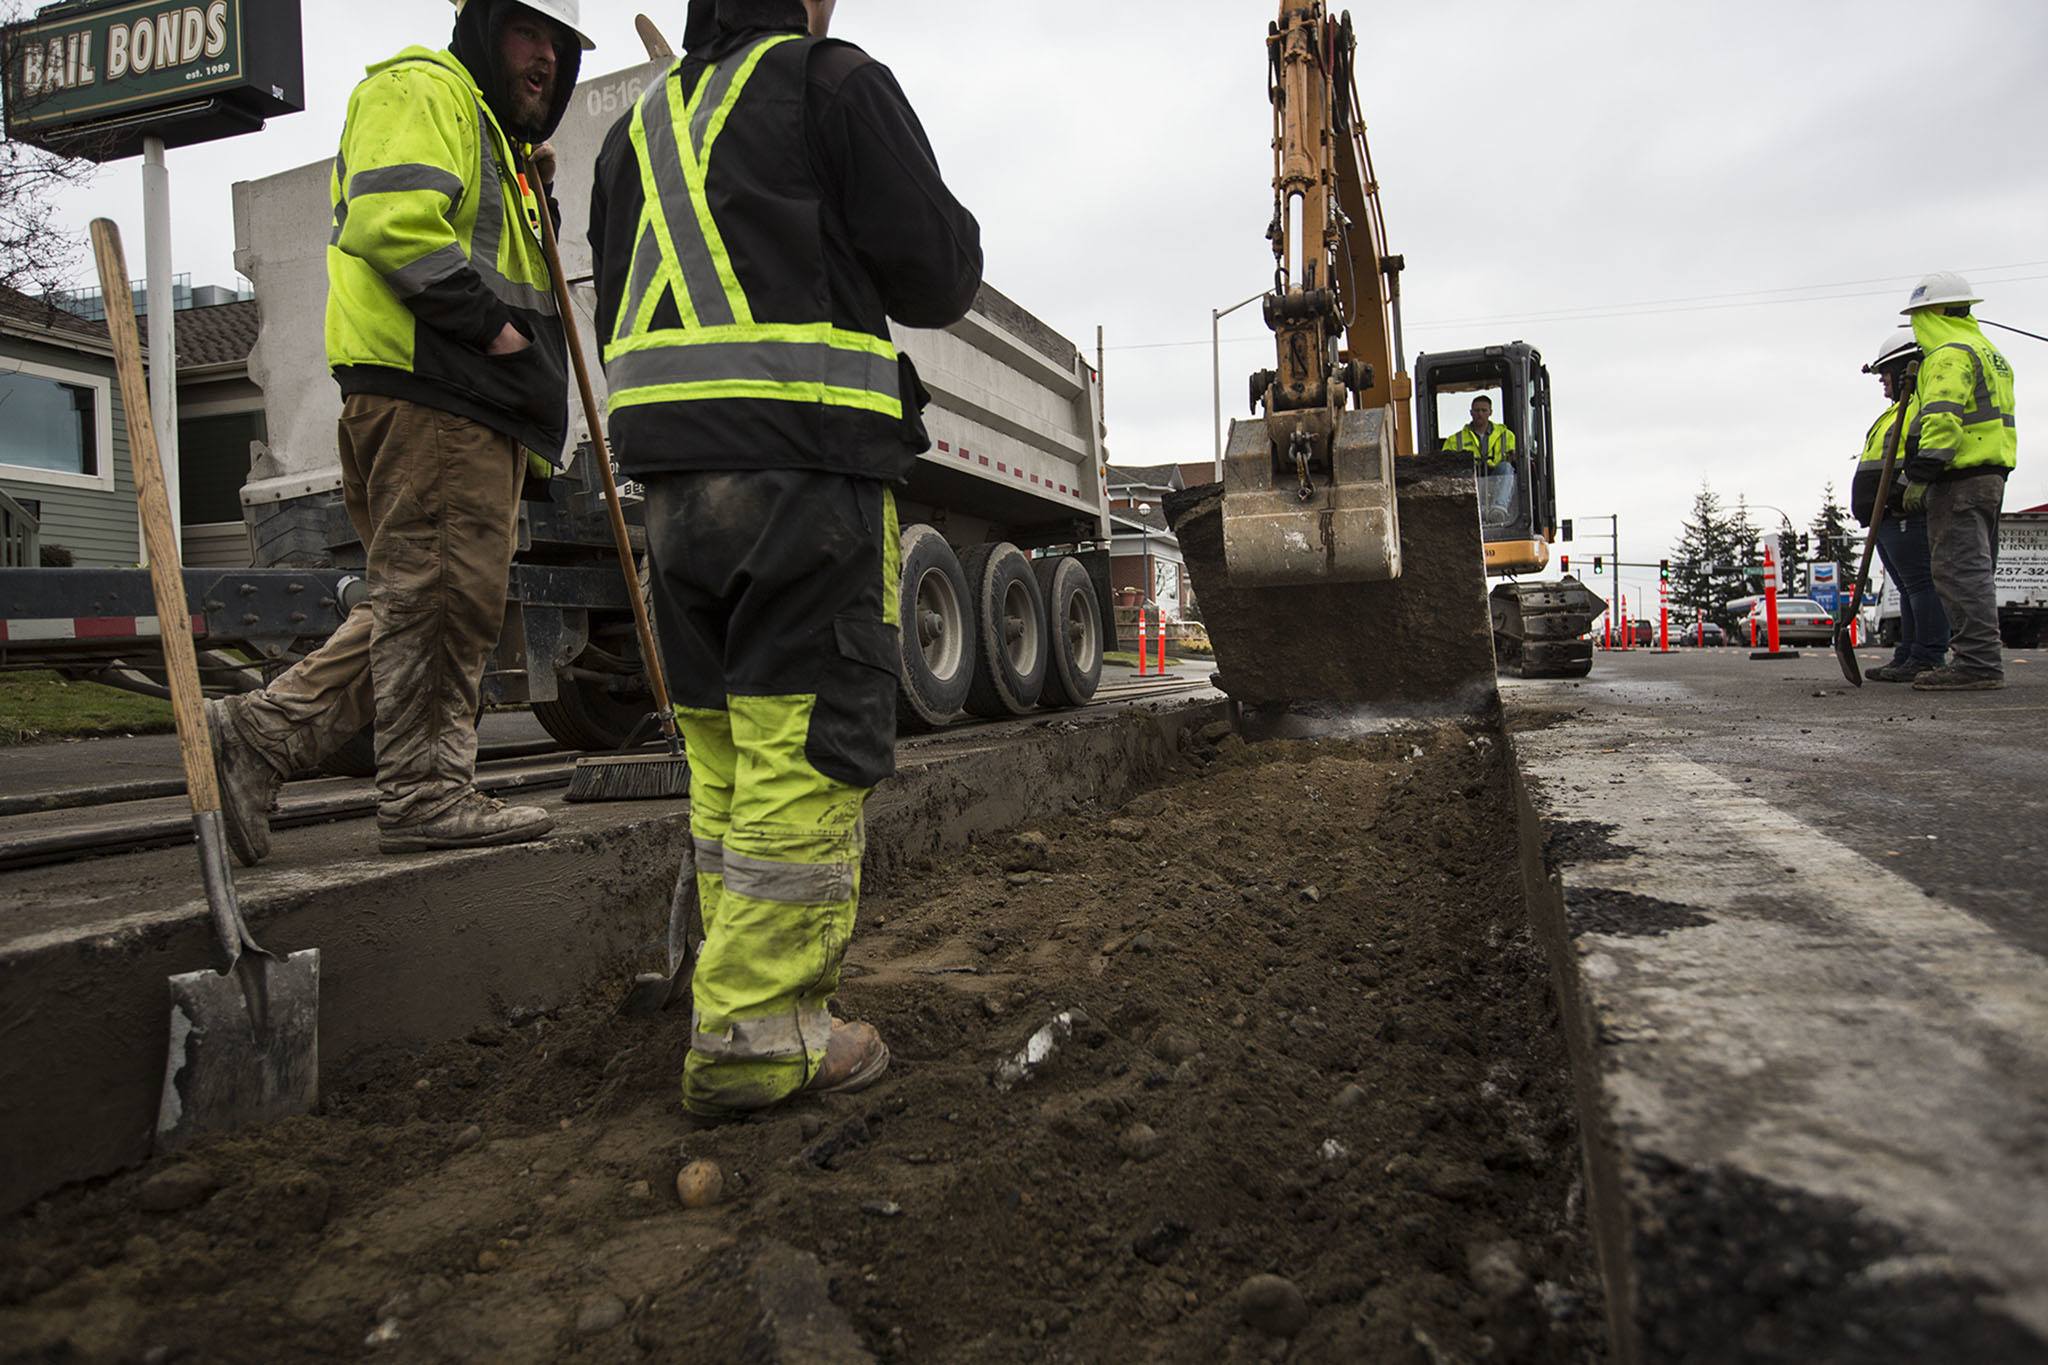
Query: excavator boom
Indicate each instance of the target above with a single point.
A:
(1332, 564)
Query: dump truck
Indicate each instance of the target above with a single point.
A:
(1338, 559)
(1007, 603)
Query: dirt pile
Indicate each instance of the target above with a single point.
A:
(1262, 1065)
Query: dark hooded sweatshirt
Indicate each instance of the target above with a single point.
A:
(450, 370)
(895, 244)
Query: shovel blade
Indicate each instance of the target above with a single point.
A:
(222, 1071)
(1852, 667)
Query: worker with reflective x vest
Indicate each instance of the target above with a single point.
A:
(442, 334)
(1901, 535)
(757, 218)
(1960, 449)
(1492, 447)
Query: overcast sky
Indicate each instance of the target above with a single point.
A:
(1705, 215)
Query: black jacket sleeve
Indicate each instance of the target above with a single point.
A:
(920, 246)
(615, 181)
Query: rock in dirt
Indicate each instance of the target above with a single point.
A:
(798, 1319)
(1158, 1243)
(1038, 1049)
(700, 1184)
(1496, 1269)
(467, 1138)
(1273, 1305)
(1140, 1142)
(1145, 805)
(1174, 1045)
(1351, 1096)
(1030, 851)
(599, 1314)
(1132, 831)
(1214, 732)
(177, 1187)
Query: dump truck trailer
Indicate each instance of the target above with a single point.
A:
(1005, 519)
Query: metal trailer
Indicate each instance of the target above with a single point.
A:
(1007, 601)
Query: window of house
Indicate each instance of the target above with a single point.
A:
(213, 463)
(51, 422)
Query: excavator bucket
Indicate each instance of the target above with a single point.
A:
(1421, 642)
(1348, 530)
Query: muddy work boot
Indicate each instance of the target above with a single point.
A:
(854, 1060)
(474, 821)
(1898, 673)
(248, 784)
(1953, 679)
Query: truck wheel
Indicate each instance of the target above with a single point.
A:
(938, 632)
(592, 716)
(1073, 666)
(1009, 622)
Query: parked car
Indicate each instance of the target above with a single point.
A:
(1800, 620)
(1701, 633)
(1646, 633)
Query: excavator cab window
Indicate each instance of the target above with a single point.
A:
(1511, 496)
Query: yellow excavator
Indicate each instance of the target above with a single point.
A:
(1334, 562)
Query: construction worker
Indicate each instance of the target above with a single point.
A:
(1901, 535)
(1492, 448)
(757, 218)
(1960, 449)
(442, 333)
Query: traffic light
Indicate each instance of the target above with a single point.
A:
(1663, 571)
(1564, 563)
(1596, 563)
(1805, 543)
(1565, 531)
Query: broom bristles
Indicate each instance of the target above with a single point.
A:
(630, 777)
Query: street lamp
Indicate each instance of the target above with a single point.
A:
(1216, 316)
(1144, 555)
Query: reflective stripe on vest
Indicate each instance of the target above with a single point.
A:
(719, 351)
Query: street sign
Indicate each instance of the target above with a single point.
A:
(96, 77)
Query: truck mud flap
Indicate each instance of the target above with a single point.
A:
(1421, 643)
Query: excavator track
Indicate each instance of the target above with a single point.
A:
(1419, 643)
(1540, 629)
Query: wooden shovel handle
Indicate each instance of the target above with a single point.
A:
(153, 505)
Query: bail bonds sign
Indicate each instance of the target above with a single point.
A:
(92, 78)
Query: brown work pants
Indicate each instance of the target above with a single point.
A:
(435, 498)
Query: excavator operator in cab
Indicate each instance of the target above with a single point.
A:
(1492, 447)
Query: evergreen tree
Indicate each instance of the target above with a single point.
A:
(1706, 571)
(1833, 528)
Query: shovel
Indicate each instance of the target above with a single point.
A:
(1845, 653)
(244, 1042)
(651, 992)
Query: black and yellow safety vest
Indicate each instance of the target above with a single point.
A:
(725, 349)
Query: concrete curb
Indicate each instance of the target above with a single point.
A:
(421, 949)
(1797, 1147)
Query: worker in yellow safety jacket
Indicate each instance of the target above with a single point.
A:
(442, 334)
(1960, 449)
(757, 218)
(1493, 448)
(1901, 535)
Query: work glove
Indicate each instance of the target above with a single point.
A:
(1914, 499)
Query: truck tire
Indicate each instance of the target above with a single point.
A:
(591, 716)
(938, 632)
(1009, 625)
(1073, 666)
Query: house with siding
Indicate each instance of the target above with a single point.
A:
(64, 432)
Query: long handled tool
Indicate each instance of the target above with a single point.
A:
(244, 1040)
(1845, 653)
(615, 777)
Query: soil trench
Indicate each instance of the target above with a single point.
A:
(1306, 1034)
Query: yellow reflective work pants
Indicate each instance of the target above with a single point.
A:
(776, 601)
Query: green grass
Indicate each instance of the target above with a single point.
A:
(39, 706)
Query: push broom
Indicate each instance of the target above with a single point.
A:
(615, 777)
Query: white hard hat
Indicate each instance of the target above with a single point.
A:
(1942, 289)
(563, 12)
(1900, 345)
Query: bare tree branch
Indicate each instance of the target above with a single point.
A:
(37, 255)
